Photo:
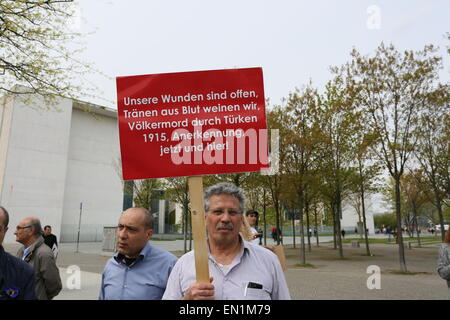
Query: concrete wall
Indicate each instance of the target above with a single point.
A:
(92, 176)
(6, 104)
(53, 158)
(36, 161)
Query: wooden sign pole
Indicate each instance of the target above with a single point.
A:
(199, 229)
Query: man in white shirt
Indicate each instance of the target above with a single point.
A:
(238, 269)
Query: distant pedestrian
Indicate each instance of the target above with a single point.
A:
(252, 219)
(343, 233)
(278, 235)
(40, 257)
(50, 240)
(443, 264)
(274, 234)
(16, 276)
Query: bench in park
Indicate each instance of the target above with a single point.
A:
(355, 244)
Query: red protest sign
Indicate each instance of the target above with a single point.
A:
(192, 123)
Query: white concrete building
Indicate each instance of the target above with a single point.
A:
(350, 216)
(51, 160)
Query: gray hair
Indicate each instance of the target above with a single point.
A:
(6, 214)
(224, 188)
(36, 224)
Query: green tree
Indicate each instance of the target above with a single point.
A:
(277, 118)
(413, 185)
(145, 192)
(338, 126)
(394, 88)
(302, 142)
(34, 45)
(387, 220)
(177, 189)
(433, 148)
(368, 170)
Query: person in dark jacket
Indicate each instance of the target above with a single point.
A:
(16, 276)
(50, 240)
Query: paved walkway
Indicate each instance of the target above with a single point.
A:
(329, 278)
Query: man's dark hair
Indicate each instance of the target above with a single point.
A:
(47, 226)
(249, 212)
(6, 214)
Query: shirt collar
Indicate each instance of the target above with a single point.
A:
(30, 250)
(144, 252)
(26, 251)
(244, 249)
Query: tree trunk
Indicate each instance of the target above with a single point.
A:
(338, 224)
(333, 213)
(302, 234)
(441, 217)
(307, 225)
(264, 217)
(417, 229)
(302, 237)
(277, 221)
(401, 248)
(293, 227)
(316, 226)
(363, 207)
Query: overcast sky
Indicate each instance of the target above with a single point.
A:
(293, 41)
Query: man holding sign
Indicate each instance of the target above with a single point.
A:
(238, 269)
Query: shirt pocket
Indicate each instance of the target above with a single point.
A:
(256, 293)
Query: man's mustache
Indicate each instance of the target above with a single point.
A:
(226, 226)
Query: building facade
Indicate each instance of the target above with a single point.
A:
(57, 162)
